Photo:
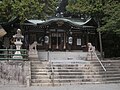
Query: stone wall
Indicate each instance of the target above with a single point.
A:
(14, 72)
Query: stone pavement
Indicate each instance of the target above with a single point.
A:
(68, 87)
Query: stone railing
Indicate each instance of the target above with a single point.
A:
(9, 54)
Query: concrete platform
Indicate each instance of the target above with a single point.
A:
(62, 55)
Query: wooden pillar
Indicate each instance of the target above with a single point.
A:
(87, 39)
(64, 47)
(28, 37)
(57, 41)
(49, 40)
(100, 40)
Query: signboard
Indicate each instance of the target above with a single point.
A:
(78, 41)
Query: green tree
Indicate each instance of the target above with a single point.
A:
(26, 9)
(84, 6)
(112, 17)
(107, 12)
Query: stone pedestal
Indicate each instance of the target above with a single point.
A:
(17, 52)
(33, 50)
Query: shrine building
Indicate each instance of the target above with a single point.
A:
(60, 34)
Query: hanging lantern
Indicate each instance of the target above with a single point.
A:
(70, 40)
(46, 39)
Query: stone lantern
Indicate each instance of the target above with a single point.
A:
(18, 42)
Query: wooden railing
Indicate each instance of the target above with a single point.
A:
(7, 54)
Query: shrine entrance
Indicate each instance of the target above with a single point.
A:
(57, 41)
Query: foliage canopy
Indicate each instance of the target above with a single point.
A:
(26, 9)
(106, 12)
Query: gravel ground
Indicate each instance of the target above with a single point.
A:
(72, 87)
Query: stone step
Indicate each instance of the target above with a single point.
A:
(34, 59)
(108, 82)
(36, 69)
(110, 60)
(61, 84)
(40, 69)
(110, 78)
(96, 61)
(89, 72)
(40, 65)
(109, 65)
(80, 60)
(69, 61)
(39, 62)
(71, 69)
(41, 73)
(106, 64)
(57, 70)
(86, 63)
(73, 76)
(41, 81)
(114, 62)
(103, 62)
(42, 84)
(63, 80)
(55, 80)
(74, 66)
(84, 67)
(75, 73)
(72, 83)
(74, 70)
(40, 76)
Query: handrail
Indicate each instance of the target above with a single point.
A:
(99, 61)
(92, 50)
(51, 68)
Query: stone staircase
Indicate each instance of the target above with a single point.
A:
(112, 73)
(69, 71)
(40, 72)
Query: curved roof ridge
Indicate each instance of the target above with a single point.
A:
(77, 22)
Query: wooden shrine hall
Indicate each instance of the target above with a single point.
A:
(61, 33)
